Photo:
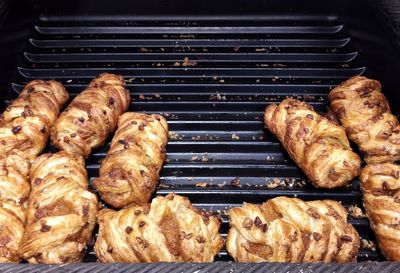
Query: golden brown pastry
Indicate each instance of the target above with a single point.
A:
(380, 184)
(365, 113)
(14, 192)
(91, 116)
(130, 172)
(291, 230)
(26, 122)
(61, 210)
(318, 146)
(170, 230)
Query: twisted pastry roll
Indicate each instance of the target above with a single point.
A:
(291, 230)
(130, 172)
(14, 193)
(380, 184)
(91, 116)
(170, 230)
(317, 145)
(26, 122)
(365, 113)
(61, 210)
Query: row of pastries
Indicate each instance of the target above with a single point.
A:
(48, 213)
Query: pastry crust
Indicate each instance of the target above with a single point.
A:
(380, 184)
(14, 193)
(170, 230)
(318, 146)
(364, 112)
(26, 122)
(130, 172)
(61, 211)
(92, 116)
(291, 230)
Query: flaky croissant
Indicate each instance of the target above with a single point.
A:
(91, 116)
(318, 146)
(365, 113)
(61, 210)
(14, 193)
(291, 230)
(380, 185)
(26, 122)
(130, 172)
(170, 230)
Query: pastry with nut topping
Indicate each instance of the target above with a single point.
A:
(170, 229)
(130, 172)
(92, 116)
(291, 230)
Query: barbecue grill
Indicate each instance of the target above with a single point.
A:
(211, 68)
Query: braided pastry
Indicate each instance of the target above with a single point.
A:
(14, 193)
(130, 172)
(291, 230)
(317, 145)
(365, 113)
(61, 210)
(380, 184)
(170, 230)
(26, 122)
(91, 116)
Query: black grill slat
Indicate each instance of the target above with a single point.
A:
(186, 30)
(192, 72)
(215, 107)
(116, 43)
(198, 57)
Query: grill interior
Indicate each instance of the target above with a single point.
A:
(212, 78)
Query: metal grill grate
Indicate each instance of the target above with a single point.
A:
(211, 78)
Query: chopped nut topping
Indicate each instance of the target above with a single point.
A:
(45, 228)
(396, 174)
(142, 224)
(310, 116)
(257, 222)
(247, 223)
(111, 101)
(200, 239)
(235, 182)
(128, 229)
(37, 181)
(313, 213)
(317, 236)
(346, 238)
(16, 129)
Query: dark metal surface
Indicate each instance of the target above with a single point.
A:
(217, 267)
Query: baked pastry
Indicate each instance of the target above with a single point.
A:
(61, 211)
(14, 193)
(318, 146)
(364, 112)
(291, 230)
(26, 122)
(91, 116)
(380, 185)
(130, 172)
(169, 230)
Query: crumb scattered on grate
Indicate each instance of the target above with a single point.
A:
(141, 97)
(235, 137)
(263, 49)
(222, 184)
(162, 185)
(174, 135)
(356, 211)
(177, 64)
(201, 184)
(274, 183)
(368, 244)
(205, 158)
(194, 158)
(235, 182)
(143, 49)
(188, 62)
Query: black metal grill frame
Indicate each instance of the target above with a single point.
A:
(214, 108)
